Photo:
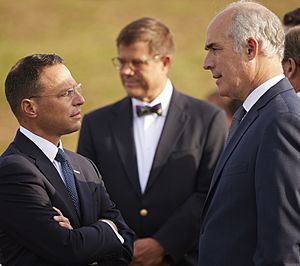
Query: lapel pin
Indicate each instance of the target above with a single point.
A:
(76, 172)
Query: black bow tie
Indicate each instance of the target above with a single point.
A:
(145, 110)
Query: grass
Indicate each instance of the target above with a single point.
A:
(83, 32)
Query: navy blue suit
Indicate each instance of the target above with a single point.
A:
(30, 186)
(169, 210)
(252, 212)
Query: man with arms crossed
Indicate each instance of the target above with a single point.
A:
(55, 209)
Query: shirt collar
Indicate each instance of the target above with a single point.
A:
(48, 148)
(164, 98)
(254, 96)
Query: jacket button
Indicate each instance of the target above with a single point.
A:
(143, 212)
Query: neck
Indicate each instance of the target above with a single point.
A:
(53, 139)
(263, 71)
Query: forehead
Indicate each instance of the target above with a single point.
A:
(136, 49)
(217, 30)
(56, 76)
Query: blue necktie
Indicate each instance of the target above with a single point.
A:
(236, 120)
(145, 110)
(69, 178)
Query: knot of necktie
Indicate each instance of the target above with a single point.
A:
(60, 156)
(145, 110)
(236, 120)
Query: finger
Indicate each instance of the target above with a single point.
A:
(57, 210)
(60, 218)
(65, 225)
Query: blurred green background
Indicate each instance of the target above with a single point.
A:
(83, 32)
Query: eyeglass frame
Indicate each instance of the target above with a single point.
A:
(67, 93)
(133, 64)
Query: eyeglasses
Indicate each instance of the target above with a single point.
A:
(133, 64)
(67, 94)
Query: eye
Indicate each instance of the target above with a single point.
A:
(215, 50)
(121, 61)
(68, 93)
(137, 62)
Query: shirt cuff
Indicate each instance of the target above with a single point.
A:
(115, 231)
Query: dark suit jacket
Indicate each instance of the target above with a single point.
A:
(191, 141)
(29, 187)
(252, 213)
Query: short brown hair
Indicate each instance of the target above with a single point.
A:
(292, 18)
(150, 30)
(292, 45)
(23, 79)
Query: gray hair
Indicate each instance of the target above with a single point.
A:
(292, 45)
(251, 19)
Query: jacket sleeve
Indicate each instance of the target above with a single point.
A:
(277, 186)
(109, 211)
(27, 217)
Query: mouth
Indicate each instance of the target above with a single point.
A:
(217, 77)
(129, 82)
(76, 115)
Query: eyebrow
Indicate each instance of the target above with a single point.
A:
(67, 89)
(209, 46)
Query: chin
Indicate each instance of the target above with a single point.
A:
(75, 128)
(224, 92)
(134, 92)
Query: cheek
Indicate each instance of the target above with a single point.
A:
(143, 80)
(154, 77)
(54, 111)
(230, 65)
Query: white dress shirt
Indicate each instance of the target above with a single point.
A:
(47, 147)
(254, 96)
(147, 130)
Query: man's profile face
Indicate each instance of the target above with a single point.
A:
(227, 66)
(58, 113)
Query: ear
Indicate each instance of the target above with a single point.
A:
(167, 61)
(251, 48)
(290, 68)
(29, 108)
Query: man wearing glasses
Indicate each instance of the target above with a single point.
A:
(156, 148)
(54, 207)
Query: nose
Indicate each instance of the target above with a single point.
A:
(207, 64)
(78, 98)
(126, 69)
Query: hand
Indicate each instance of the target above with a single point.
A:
(148, 252)
(62, 220)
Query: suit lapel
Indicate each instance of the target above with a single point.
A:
(251, 116)
(174, 126)
(122, 129)
(26, 146)
(84, 192)
(245, 124)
